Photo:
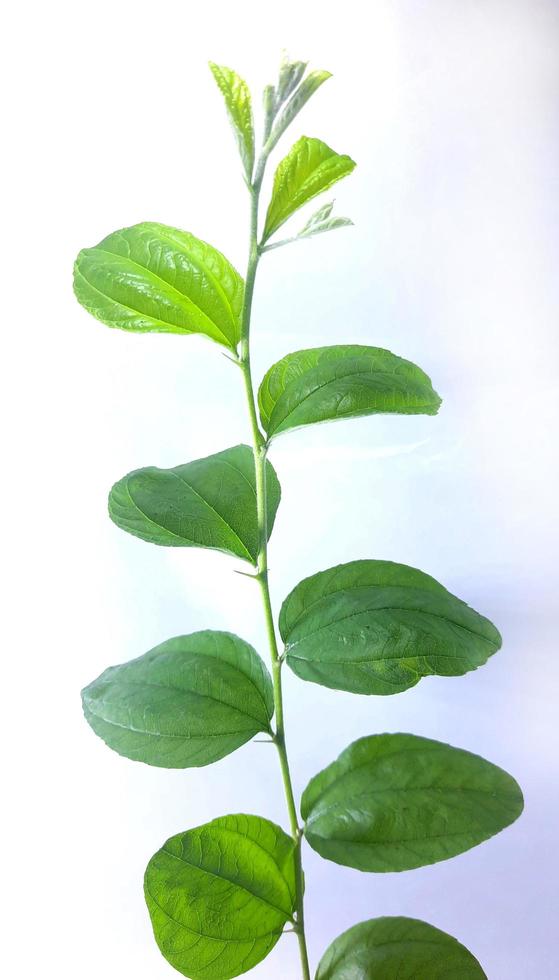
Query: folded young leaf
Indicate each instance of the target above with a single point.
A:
(151, 277)
(300, 97)
(188, 702)
(309, 168)
(269, 108)
(274, 97)
(209, 503)
(322, 221)
(378, 627)
(397, 802)
(323, 212)
(394, 947)
(220, 895)
(341, 382)
(236, 93)
(291, 73)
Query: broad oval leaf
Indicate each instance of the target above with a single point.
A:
(220, 895)
(188, 702)
(397, 802)
(309, 168)
(378, 627)
(208, 503)
(341, 382)
(238, 103)
(151, 277)
(394, 948)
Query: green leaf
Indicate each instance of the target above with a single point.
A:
(209, 503)
(219, 896)
(151, 277)
(397, 802)
(300, 97)
(236, 93)
(377, 627)
(341, 382)
(188, 702)
(309, 168)
(394, 948)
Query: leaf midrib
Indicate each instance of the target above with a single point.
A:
(325, 384)
(236, 884)
(414, 747)
(410, 840)
(92, 705)
(431, 748)
(179, 691)
(212, 508)
(436, 790)
(204, 935)
(162, 735)
(203, 266)
(147, 316)
(340, 569)
(375, 609)
(179, 537)
(158, 278)
(300, 197)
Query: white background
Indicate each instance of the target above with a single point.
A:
(450, 109)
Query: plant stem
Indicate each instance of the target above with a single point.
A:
(260, 449)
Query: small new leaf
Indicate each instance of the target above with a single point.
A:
(208, 503)
(319, 216)
(188, 702)
(291, 73)
(219, 896)
(330, 225)
(269, 107)
(238, 102)
(300, 97)
(397, 802)
(154, 278)
(394, 947)
(316, 225)
(321, 222)
(309, 168)
(378, 627)
(345, 381)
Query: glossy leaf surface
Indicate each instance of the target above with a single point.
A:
(345, 381)
(300, 97)
(397, 948)
(151, 277)
(219, 896)
(378, 627)
(236, 94)
(209, 503)
(397, 802)
(188, 702)
(309, 168)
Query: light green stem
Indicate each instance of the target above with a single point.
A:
(260, 450)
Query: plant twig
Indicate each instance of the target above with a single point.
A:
(260, 449)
